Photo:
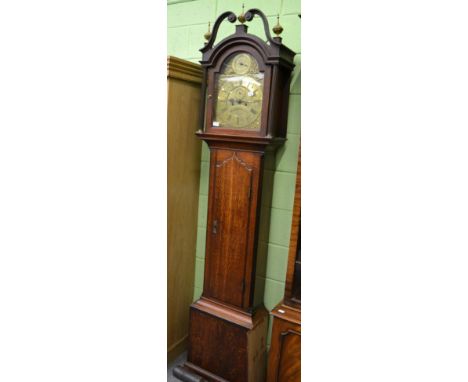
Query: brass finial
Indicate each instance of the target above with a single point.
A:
(277, 29)
(207, 35)
(241, 17)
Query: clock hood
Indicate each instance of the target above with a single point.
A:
(273, 51)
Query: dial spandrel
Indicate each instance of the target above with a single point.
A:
(239, 94)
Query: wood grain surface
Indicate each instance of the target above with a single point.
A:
(183, 174)
(292, 293)
(284, 359)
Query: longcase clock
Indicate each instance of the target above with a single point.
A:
(243, 118)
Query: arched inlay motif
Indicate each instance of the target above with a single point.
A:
(234, 156)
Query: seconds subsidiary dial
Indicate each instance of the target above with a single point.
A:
(241, 63)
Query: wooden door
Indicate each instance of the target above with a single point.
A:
(233, 187)
(284, 363)
(289, 369)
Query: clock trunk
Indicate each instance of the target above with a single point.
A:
(235, 177)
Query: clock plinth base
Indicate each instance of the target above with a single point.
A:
(227, 344)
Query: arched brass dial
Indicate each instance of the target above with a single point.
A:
(239, 94)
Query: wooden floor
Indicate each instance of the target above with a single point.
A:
(179, 361)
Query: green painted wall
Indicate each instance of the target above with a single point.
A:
(187, 22)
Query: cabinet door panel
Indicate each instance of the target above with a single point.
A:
(290, 358)
(232, 174)
(284, 363)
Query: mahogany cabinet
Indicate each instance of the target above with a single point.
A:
(284, 360)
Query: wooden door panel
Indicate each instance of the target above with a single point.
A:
(221, 346)
(284, 362)
(290, 357)
(232, 174)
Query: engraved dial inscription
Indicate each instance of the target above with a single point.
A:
(239, 94)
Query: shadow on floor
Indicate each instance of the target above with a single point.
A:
(178, 361)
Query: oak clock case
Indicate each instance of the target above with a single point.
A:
(243, 118)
